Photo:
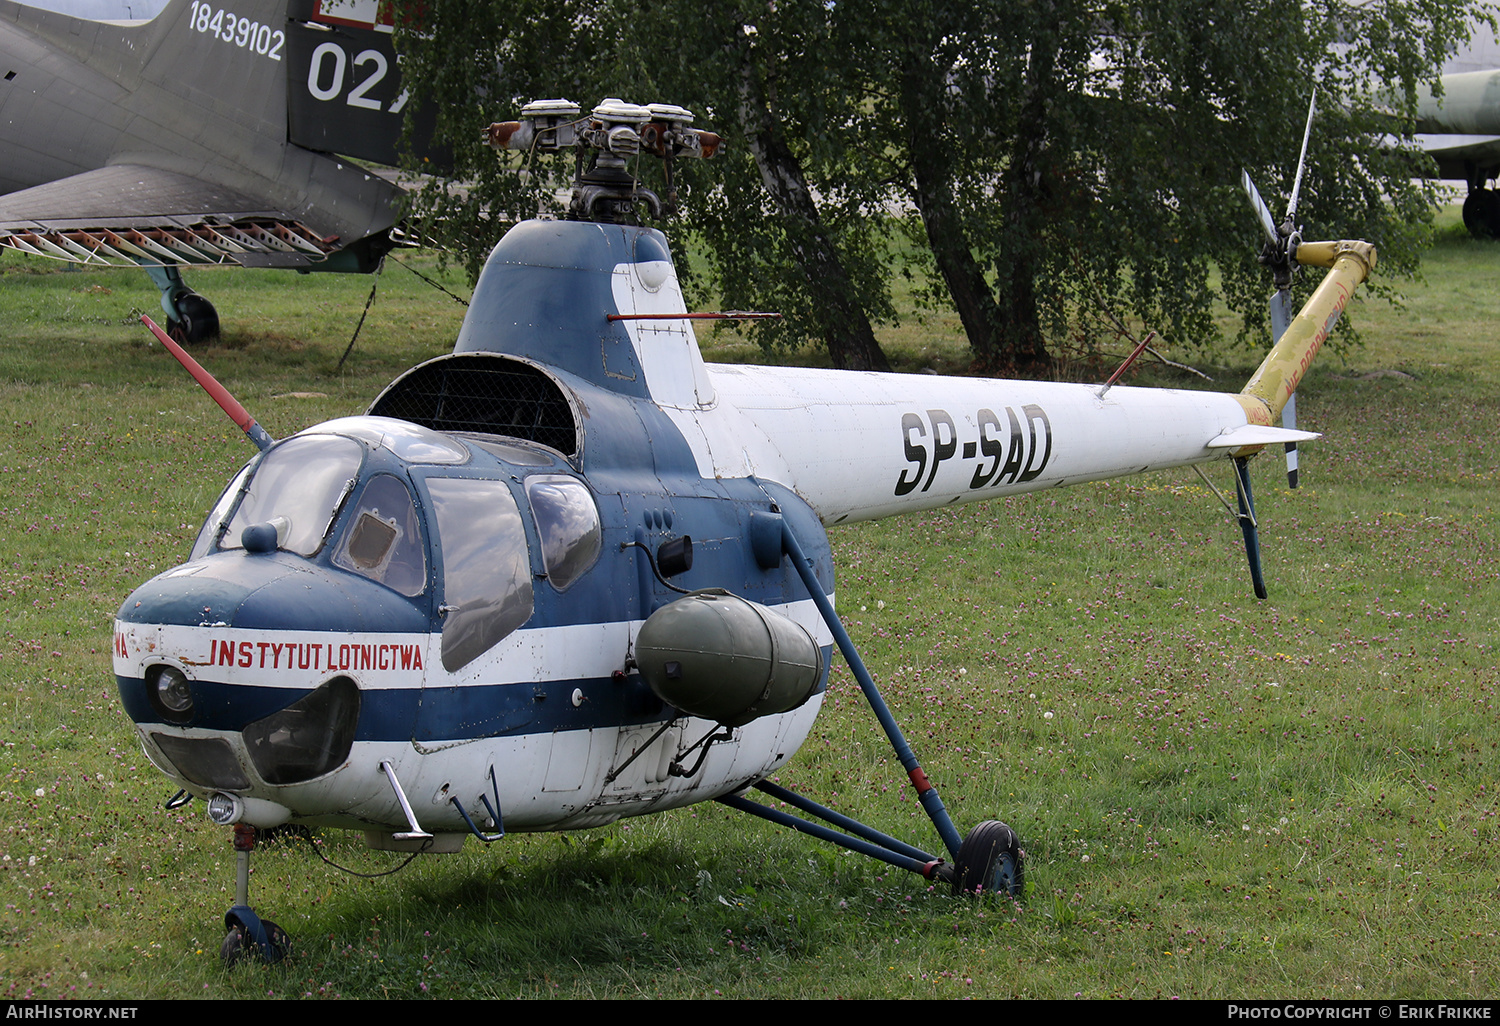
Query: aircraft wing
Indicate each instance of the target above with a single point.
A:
(1455, 154)
(128, 215)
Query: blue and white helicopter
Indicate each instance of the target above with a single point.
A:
(570, 573)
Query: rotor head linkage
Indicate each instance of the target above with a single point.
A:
(605, 139)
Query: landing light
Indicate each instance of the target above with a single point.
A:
(224, 809)
(167, 687)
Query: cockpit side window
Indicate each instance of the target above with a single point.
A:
(486, 568)
(381, 539)
(299, 486)
(567, 521)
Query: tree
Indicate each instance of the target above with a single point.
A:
(755, 209)
(1065, 165)
(1074, 163)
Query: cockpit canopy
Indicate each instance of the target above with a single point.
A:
(431, 516)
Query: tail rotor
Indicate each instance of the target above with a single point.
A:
(1280, 255)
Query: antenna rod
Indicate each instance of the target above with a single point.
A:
(727, 315)
(1139, 349)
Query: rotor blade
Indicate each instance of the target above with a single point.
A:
(1289, 421)
(1267, 222)
(216, 391)
(1281, 319)
(1312, 108)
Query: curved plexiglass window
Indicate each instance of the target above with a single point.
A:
(302, 480)
(567, 521)
(486, 569)
(413, 443)
(209, 533)
(381, 540)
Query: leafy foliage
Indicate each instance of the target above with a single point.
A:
(1068, 166)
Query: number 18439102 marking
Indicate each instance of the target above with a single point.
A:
(242, 32)
(1013, 450)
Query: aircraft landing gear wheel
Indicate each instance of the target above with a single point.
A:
(990, 861)
(238, 946)
(197, 321)
(1482, 213)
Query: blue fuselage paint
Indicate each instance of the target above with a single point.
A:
(257, 632)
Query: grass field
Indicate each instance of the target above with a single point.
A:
(1218, 797)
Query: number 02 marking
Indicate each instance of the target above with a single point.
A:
(329, 63)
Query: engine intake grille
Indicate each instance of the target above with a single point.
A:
(484, 393)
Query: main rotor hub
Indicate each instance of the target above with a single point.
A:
(604, 189)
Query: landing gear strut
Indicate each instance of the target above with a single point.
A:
(987, 861)
(191, 319)
(249, 935)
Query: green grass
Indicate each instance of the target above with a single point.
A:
(1295, 797)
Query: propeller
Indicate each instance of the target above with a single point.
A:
(1279, 254)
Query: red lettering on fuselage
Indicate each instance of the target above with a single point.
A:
(297, 655)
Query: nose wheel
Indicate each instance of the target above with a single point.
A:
(249, 935)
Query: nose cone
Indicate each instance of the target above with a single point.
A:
(271, 591)
(250, 634)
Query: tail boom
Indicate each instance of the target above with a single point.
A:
(1276, 380)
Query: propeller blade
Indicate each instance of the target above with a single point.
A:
(1281, 319)
(1312, 108)
(1289, 421)
(1267, 221)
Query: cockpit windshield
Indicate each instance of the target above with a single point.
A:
(298, 486)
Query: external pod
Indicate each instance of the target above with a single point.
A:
(725, 658)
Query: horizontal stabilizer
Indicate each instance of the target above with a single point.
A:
(1258, 434)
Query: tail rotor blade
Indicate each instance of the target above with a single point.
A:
(1267, 221)
(1289, 421)
(1281, 319)
(1291, 207)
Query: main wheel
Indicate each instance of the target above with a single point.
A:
(238, 946)
(1482, 213)
(990, 861)
(197, 321)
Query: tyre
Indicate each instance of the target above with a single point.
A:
(1482, 213)
(990, 861)
(238, 946)
(197, 321)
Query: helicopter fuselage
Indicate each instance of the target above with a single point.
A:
(441, 599)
